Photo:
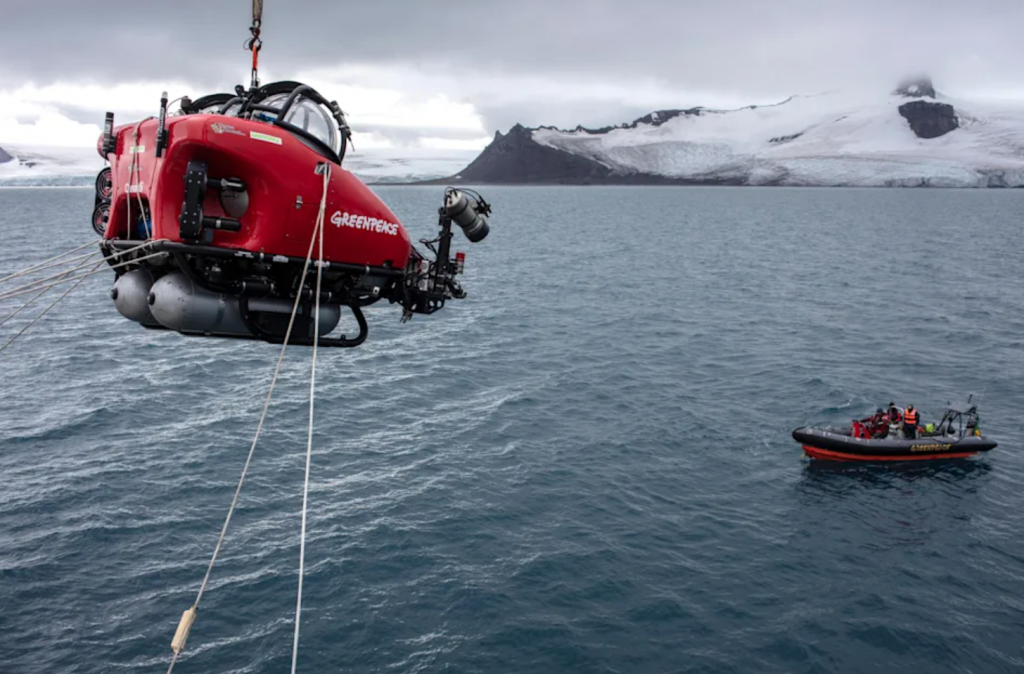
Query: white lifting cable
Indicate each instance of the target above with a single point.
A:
(188, 617)
(36, 319)
(309, 439)
(133, 169)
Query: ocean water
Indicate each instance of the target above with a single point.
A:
(584, 466)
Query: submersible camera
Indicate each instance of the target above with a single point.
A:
(469, 211)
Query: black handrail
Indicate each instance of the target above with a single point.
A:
(250, 101)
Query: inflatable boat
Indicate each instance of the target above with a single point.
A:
(957, 436)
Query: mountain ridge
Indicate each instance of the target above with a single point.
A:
(910, 136)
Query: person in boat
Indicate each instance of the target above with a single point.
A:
(877, 424)
(910, 422)
(895, 415)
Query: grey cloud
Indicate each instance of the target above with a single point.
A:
(406, 136)
(80, 114)
(737, 47)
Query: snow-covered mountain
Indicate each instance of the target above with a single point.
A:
(48, 166)
(56, 166)
(911, 137)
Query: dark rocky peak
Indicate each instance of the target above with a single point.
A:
(916, 87)
(929, 119)
(514, 157)
(659, 117)
(4, 157)
(511, 141)
(656, 118)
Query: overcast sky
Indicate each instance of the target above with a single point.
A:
(448, 73)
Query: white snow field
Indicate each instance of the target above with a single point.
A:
(45, 166)
(826, 139)
(53, 166)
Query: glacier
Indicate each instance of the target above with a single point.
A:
(830, 139)
(31, 166)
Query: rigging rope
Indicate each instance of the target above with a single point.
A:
(189, 617)
(26, 304)
(37, 267)
(40, 267)
(36, 319)
(35, 285)
(309, 439)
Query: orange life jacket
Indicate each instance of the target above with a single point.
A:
(910, 417)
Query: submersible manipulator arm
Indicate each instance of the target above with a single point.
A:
(425, 292)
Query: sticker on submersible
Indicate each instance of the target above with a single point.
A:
(265, 137)
(363, 222)
(218, 127)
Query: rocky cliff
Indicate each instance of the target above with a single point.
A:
(929, 119)
(4, 157)
(516, 158)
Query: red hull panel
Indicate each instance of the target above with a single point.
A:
(828, 455)
(283, 189)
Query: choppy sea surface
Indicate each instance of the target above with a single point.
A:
(584, 466)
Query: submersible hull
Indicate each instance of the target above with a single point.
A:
(176, 303)
(230, 216)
